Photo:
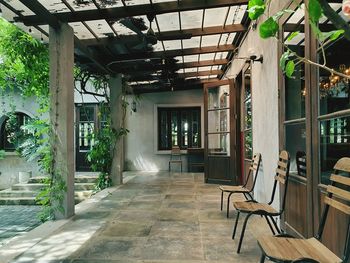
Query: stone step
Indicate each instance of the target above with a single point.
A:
(78, 179)
(38, 187)
(17, 201)
(78, 197)
(9, 193)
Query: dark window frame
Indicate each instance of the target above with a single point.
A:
(179, 111)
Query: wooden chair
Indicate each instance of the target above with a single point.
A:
(253, 171)
(284, 248)
(252, 207)
(175, 156)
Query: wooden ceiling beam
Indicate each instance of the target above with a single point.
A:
(167, 35)
(131, 10)
(200, 73)
(171, 53)
(40, 10)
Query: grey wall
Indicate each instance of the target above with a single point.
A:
(141, 143)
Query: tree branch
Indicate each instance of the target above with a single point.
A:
(335, 18)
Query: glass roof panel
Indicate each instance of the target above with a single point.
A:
(221, 55)
(137, 2)
(191, 43)
(215, 16)
(191, 58)
(81, 31)
(209, 56)
(158, 46)
(122, 30)
(191, 19)
(210, 40)
(55, 6)
(100, 27)
(236, 14)
(174, 44)
(227, 38)
(168, 22)
(188, 70)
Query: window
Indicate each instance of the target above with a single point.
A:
(9, 130)
(179, 127)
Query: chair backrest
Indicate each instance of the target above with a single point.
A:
(175, 150)
(282, 176)
(253, 170)
(301, 163)
(338, 197)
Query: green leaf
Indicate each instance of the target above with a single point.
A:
(293, 35)
(315, 10)
(336, 34)
(283, 60)
(290, 67)
(269, 28)
(256, 8)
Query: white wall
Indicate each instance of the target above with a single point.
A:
(141, 143)
(264, 106)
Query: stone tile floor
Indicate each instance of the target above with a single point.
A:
(153, 218)
(17, 220)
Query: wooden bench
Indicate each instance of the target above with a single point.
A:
(285, 248)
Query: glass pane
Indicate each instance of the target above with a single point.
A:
(333, 89)
(219, 144)
(195, 128)
(184, 129)
(335, 144)
(164, 130)
(248, 144)
(295, 87)
(295, 142)
(248, 113)
(218, 121)
(218, 97)
(87, 113)
(174, 128)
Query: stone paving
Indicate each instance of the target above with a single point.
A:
(16, 220)
(155, 217)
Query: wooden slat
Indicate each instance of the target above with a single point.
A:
(282, 164)
(280, 179)
(339, 192)
(340, 179)
(337, 205)
(343, 164)
(200, 73)
(281, 172)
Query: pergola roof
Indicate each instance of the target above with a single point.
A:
(194, 38)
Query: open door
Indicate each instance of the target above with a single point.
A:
(220, 133)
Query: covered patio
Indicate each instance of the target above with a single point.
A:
(153, 217)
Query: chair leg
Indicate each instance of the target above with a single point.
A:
(181, 166)
(228, 205)
(268, 222)
(242, 233)
(169, 166)
(262, 259)
(222, 199)
(236, 223)
(275, 224)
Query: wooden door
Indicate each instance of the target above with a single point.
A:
(220, 133)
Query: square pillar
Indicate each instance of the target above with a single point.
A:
(61, 48)
(117, 113)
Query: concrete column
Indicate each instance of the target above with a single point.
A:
(62, 109)
(117, 118)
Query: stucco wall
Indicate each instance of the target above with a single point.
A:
(264, 105)
(13, 164)
(141, 143)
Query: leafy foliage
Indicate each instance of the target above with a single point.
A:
(316, 9)
(25, 63)
(2, 154)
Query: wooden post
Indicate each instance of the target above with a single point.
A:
(117, 113)
(62, 109)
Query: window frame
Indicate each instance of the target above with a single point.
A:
(179, 110)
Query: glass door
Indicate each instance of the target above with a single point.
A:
(219, 125)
